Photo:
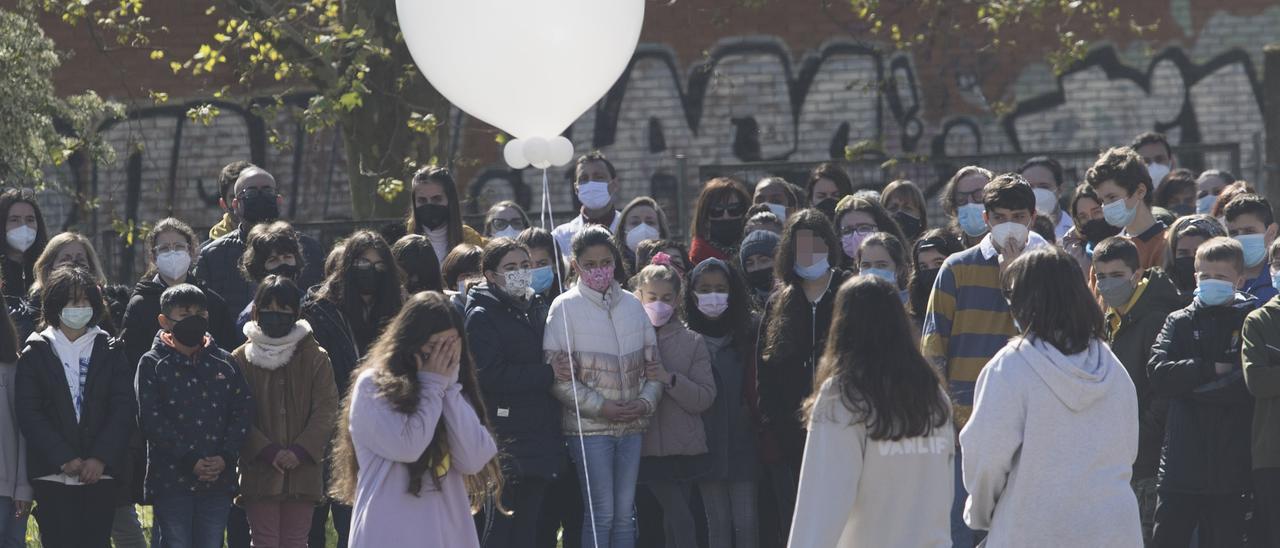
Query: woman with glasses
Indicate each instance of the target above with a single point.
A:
(962, 201)
(347, 313)
(506, 219)
(717, 220)
(171, 250)
(858, 218)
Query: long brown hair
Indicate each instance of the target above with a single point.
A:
(442, 177)
(339, 287)
(1048, 298)
(876, 365)
(789, 300)
(714, 192)
(395, 374)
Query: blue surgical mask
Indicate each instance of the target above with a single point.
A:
(542, 278)
(1205, 204)
(1255, 248)
(1215, 292)
(882, 273)
(1118, 215)
(815, 270)
(1275, 278)
(970, 219)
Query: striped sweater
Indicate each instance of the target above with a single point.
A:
(968, 320)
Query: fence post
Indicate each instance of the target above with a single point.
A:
(1271, 118)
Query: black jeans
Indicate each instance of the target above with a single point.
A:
(237, 528)
(1266, 511)
(523, 497)
(341, 524)
(561, 505)
(75, 516)
(1220, 519)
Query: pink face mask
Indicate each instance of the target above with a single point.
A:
(659, 313)
(599, 278)
(851, 242)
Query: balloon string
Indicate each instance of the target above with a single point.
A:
(548, 223)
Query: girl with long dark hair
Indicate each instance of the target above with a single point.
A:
(25, 236)
(347, 314)
(1054, 398)
(416, 257)
(878, 462)
(414, 455)
(795, 329)
(436, 212)
(856, 220)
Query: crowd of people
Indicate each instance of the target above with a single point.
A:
(820, 365)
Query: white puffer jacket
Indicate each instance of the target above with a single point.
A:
(608, 336)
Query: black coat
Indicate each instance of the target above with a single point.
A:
(1207, 433)
(506, 343)
(784, 376)
(17, 277)
(47, 416)
(334, 334)
(141, 323)
(219, 267)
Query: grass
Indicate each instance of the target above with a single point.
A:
(144, 516)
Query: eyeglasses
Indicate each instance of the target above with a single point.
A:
(858, 229)
(257, 192)
(736, 210)
(184, 248)
(503, 224)
(364, 264)
(966, 198)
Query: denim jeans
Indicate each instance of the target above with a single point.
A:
(13, 531)
(192, 520)
(611, 469)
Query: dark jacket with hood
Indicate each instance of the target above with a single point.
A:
(141, 323)
(1206, 441)
(506, 341)
(784, 378)
(1131, 343)
(190, 408)
(46, 414)
(219, 267)
(335, 335)
(1261, 361)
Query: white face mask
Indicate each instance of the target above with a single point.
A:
(21, 238)
(517, 283)
(1046, 201)
(173, 264)
(1003, 232)
(1157, 172)
(76, 317)
(594, 194)
(506, 233)
(640, 233)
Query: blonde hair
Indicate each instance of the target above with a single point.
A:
(43, 266)
(657, 273)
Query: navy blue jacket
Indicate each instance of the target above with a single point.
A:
(189, 409)
(218, 266)
(506, 342)
(47, 417)
(334, 333)
(1207, 432)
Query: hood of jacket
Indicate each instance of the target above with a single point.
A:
(1078, 380)
(1160, 295)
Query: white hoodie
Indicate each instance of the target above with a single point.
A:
(1049, 449)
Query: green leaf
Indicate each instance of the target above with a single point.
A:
(350, 100)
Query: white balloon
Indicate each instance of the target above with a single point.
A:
(537, 151)
(561, 151)
(513, 152)
(537, 65)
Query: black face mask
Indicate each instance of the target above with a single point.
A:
(911, 226)
(1097, 230)
(190, 330)
(1184, 273)
(1182, 210)
(760, 280)
(432, 216)
(285, 269)
(276, 324)
(259, 209)
(827, 207)
(725, 232)
(921, 287)
(366, 280)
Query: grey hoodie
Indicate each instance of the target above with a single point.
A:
(13, 448)
(1072, 423)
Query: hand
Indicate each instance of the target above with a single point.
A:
(616, 411)
(632, 410)
(91, 471)
(285, 460)
(655, 372)
(1222, 368)
(1011, 248)
(22, 508)
(443, 357)
(562, 366)
(216, 464)
(72, 467)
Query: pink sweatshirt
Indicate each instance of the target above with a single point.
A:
(385, 514)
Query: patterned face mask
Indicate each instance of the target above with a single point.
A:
(598, 278)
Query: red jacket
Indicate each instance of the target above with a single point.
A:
(701, 249)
